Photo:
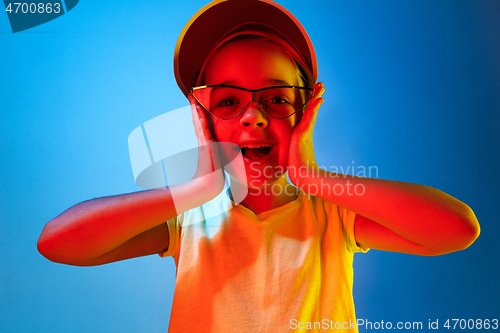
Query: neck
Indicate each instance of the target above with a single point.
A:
(262, 199)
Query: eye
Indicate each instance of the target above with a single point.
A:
(278, 100)
(227, 102)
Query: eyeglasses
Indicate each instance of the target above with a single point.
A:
(226, 102)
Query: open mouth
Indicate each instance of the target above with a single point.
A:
(255, 152)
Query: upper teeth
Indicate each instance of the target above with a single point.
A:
(254, 146)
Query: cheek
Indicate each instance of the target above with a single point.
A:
(286, 131)
(216, 128)
(297, 118)
(293, 121)
(222, 130)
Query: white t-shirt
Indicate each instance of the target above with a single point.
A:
(286, 269)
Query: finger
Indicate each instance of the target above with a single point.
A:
(310, 113)
(194, 114)
(206, 138)
(309, 118)
(204, 132)
(314, 113)
(319, 89)
(193, 103)
(205, 123)
(200, 121)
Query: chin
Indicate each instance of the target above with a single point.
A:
(263, 182)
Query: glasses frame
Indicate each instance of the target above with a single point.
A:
(252, 100)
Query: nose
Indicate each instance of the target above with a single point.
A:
(253, 116)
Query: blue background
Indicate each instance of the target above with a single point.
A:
(412, 87)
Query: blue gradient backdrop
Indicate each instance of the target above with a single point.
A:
(412, 87)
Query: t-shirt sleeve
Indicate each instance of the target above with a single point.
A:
(348, 218)
(173, 233)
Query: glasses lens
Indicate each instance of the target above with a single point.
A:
(228, 102)
(282, 102)
(224, 102)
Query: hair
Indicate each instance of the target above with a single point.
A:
(301, 72)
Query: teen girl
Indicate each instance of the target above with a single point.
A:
(281, 259)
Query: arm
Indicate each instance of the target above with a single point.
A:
(396, 216)
(86, 232)
(108, 229)
(392, 216)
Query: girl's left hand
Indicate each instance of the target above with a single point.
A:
(301, 151)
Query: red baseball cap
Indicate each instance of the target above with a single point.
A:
(222, 18)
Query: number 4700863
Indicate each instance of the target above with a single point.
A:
(471, 324)
(33, 8)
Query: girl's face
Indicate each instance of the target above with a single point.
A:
(254, 64)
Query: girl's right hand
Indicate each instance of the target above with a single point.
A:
(209, 173)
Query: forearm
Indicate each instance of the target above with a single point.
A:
(418, 213)
(95, 227)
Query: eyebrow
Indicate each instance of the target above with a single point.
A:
(279, 82)
(229, 83)
(272, 81)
